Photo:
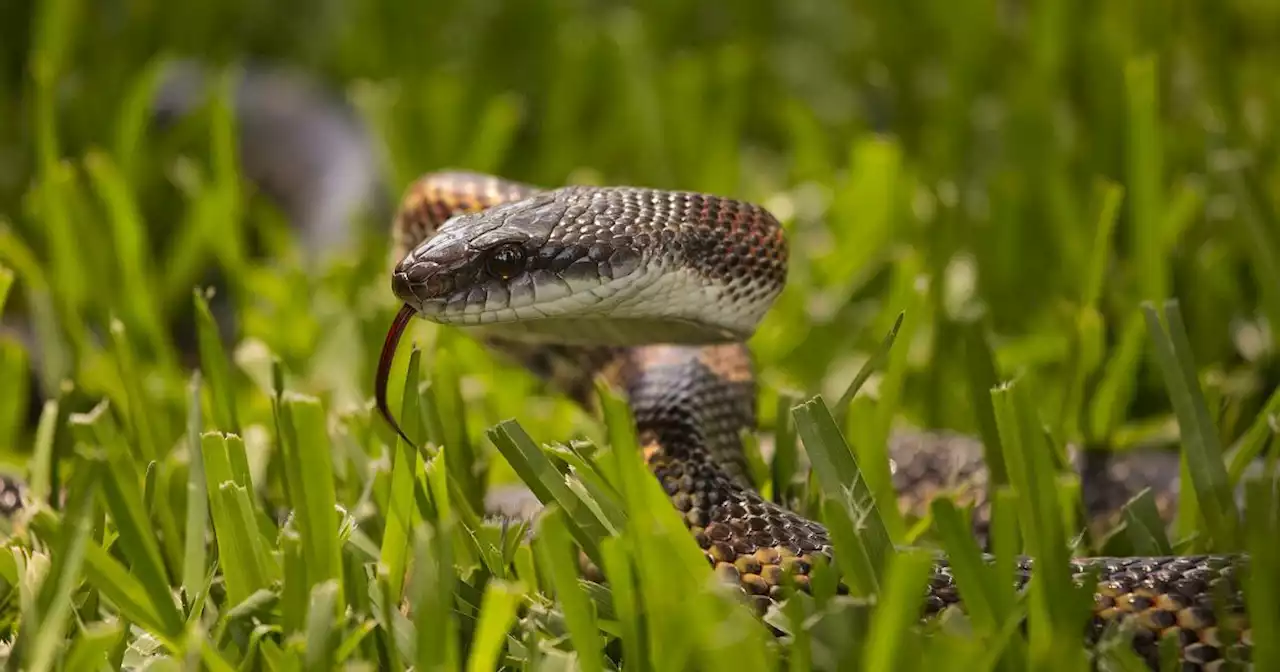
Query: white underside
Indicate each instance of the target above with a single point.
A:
(673, 306)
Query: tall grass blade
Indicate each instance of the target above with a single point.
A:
(841, 478)
(42, 633)
(321, 638)
(497, 613)
(122, 492)
(892, 643)
(558, 556)
(435, 627)
(400, 514)
(1202, 450)
(214, 366)
(197, 524)
(308, 453)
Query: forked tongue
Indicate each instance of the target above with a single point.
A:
(384, 368)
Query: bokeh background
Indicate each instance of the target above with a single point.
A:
(1031, 171)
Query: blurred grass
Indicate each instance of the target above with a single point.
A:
(1019, 178)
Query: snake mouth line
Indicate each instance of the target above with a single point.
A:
(397, 329)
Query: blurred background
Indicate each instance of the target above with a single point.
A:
(1026, 171)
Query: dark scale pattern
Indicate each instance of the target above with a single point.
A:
(925, 466)
(928, 464)
(688, 417)
(733, 243)
(690, 403)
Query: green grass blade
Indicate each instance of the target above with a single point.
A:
(91, 648)
(56, 361)
(134, 117)
(786, 455)
(559, 558)
(496, 130)
(321, 637)
(42, 460)
(131, 247)
(435, 628)
(1144, 527)
(446, 392)
(1202, 450)
(981, 378)
(1057, 606)
(349, 647)
(143, 433)
(591, 484)
(1145, 168)
(315, 500)
(617, 567)
(215, 367)
(841, 478)
(212, 659)
(195, 553)
(1262, 586)
(239, 566)
(983, 604)
(6, 284)
(15, 363)
(41, 640)
(669, 566)
(123, 495)
(293, 593)
(892, 643)
(108, 576)
(1255, 439)
(548, 484)
(1110, 400)
(1258, 241)
(757, 470)
(497, 613)
(861, 573)
(874, 362)
(909, 295)
(1100, 252)
(250, 550)
(400, 514)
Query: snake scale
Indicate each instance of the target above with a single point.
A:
(657, 291)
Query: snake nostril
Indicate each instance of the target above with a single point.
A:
(401, 287)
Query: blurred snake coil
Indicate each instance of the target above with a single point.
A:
(657, 291)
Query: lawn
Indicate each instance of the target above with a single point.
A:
(1040, 223)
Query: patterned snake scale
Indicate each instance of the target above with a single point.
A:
(580, 282)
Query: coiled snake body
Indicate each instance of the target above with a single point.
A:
(657, 291)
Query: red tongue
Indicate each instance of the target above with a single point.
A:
(384, 368)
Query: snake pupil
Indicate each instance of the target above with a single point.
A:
(505, 261)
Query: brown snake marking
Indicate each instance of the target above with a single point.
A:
(690, 402)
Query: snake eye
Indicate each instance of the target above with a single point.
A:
(505, 261)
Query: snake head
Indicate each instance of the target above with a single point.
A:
(606, 266)
(475, 260)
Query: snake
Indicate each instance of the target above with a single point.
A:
(657, 292)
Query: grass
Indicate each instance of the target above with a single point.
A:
(1051, 226)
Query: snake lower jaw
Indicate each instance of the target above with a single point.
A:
(587, 331)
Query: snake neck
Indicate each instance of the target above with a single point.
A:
(690, 406)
